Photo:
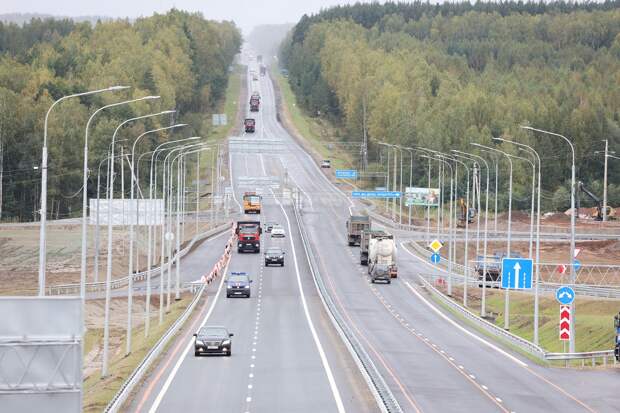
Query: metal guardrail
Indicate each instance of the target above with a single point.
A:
(383, 395)
(96, 287)
(548, 231)
(590, 290)
(523, 344)
(136, 376)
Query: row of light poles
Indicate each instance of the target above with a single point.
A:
(445, 158)
(182, 150)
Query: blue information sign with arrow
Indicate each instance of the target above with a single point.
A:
(565, 295)
(435, 258)
(346, 173)
(375, 194)
(576, 264)
(517, 273)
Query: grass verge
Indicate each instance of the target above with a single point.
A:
(97, 391)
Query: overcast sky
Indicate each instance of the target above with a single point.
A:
(246, 13)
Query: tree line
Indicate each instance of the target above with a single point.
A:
(179, 56)
(444, 75)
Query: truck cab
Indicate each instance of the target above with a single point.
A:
(251, 203)
(355, 225)
(248, 236)
(249, 125)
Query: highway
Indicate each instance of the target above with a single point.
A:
(287, 355)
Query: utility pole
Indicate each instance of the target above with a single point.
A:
(604, 183)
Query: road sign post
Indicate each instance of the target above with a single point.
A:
(517, 273)
(565, 322)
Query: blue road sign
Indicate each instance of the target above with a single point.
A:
(346, 173)
(565, 295)
(576, 264)
(435, 258)
(375, 194)
(517, 273)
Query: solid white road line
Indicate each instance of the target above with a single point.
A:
(174, 371)
(315, 337)
(464, 330)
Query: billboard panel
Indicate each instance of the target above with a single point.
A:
(126, 212)
(415, 196)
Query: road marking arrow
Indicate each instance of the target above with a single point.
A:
(517, 267)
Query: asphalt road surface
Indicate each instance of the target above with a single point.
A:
(286, 354)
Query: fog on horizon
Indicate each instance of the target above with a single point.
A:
(245, 13)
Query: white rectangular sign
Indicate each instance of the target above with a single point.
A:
(126, 212)
(421, 196)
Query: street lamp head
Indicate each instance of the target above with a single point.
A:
(179, 125)
(151, 97)
(113, 88)
(165, 112)
(526, 127)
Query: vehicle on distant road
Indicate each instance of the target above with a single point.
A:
(382, 251)
(380, 272)
(274, 255)
(238, 285)
(251, 203)
(277, 231)
(249, 125)
(248, 236)
(493, 269)
(213, 340)
(365, 237)
(326, 163)
(269, 225)
(355, 225)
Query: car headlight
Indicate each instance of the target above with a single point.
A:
(239, 245)
(229, 286)
(199, 343)
(226, 343)
(246, 286)
(281, 257)
(257, 244)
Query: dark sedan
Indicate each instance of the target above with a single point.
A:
(274, 255)
(238, 285)
(212, 340)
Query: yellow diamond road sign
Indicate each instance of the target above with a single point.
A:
(435, 245)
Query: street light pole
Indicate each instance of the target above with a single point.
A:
(131, 268)
(486, 223)
(154, 156)
(106, 326)
(572, 224)
(508, 253)
(84, 252)
(530, 150)
(43, 211)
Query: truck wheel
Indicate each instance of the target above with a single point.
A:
(372, 280)
(196, 353)
(389, 281)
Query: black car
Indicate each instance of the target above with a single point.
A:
(274, 255)
(269, 226)
(212, 340)
(238, 285)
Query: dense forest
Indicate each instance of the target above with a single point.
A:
(179, 56)
(442, 76)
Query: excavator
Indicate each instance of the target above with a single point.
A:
(598, 213)
(463, 213)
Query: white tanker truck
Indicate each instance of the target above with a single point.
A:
(382, 258)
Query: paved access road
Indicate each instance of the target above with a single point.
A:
(286, 354)
(431, 362)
